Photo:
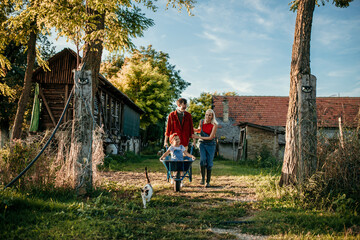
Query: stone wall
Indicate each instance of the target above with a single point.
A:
(257, 138)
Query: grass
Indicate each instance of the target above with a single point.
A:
(244, 199)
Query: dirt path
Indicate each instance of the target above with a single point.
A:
(223, 188)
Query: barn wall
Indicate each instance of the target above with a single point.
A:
(55, 96)
(131, 122)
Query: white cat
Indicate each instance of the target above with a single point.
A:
(147, 191)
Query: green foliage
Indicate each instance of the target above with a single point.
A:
(338, 3)
(125, 73)
(266, 160)
(198, 107)
(152, 148)
(114, 162)
(161, 61)
(112, 66)
(148, 88)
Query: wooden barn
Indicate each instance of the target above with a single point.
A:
(119, 116)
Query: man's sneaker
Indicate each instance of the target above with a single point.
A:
(202, 182)
(207, 185)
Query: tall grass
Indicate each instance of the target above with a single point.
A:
(336, 185)
(54, 167)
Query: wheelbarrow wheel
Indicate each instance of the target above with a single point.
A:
(177, 182)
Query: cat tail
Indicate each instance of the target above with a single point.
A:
(146, 174)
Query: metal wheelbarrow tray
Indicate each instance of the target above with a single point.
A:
(181, 169)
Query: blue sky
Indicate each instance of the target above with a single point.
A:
(245, 46)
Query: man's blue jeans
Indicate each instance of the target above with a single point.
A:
(207, 152)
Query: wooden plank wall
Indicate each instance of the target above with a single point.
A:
(55, 96)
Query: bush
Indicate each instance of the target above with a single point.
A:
(151, 148)
(336, 186)
(15, 158)
(112, 162)
(266, 159)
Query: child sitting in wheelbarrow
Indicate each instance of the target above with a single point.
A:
(176, 150)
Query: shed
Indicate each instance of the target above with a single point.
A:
(118, 114)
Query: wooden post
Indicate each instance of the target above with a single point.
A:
(341, 134)
(307, 127)
(110, 114)
(82, 131)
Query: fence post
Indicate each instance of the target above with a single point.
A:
(82, 132)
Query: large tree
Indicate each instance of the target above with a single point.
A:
(300, 160)
(160, 60)
(21, 22)
(110, 24)
(148, 88)
(112, 69)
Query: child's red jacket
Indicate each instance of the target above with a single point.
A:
(185, 131)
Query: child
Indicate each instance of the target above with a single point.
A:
(176, 150)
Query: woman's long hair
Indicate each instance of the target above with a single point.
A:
(213, 120)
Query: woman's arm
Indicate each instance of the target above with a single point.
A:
(212, 134)
(197, 130)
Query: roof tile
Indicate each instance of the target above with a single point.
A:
(272, 111)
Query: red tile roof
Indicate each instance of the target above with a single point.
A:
(272, 111)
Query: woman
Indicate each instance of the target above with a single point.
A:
(207, 129)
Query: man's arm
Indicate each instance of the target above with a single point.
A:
(168, 130)
(166, 141)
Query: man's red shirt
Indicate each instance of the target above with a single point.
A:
(184, 130)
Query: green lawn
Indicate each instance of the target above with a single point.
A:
(242, 199)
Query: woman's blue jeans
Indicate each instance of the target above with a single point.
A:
(207, 152)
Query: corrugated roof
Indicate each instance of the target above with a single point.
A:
(62, 64)
(272, 110)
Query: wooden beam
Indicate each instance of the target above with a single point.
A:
(110, 115)
(66, 98)
(47, 107)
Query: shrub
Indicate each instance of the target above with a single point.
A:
(336, 185)
(151, 148)
(16, 156)
(266, 160)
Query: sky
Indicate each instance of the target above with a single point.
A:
(244, 46)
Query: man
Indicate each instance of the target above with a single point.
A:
(180, 122)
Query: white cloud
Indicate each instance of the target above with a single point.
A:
(220, 43)
(238, 85)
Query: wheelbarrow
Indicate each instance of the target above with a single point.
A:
(178, 170)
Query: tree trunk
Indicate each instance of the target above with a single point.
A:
(25, 95)
(4, 131)
(93, 48)
(84, 105)
(300, 160)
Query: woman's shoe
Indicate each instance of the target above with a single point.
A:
(202, 182)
